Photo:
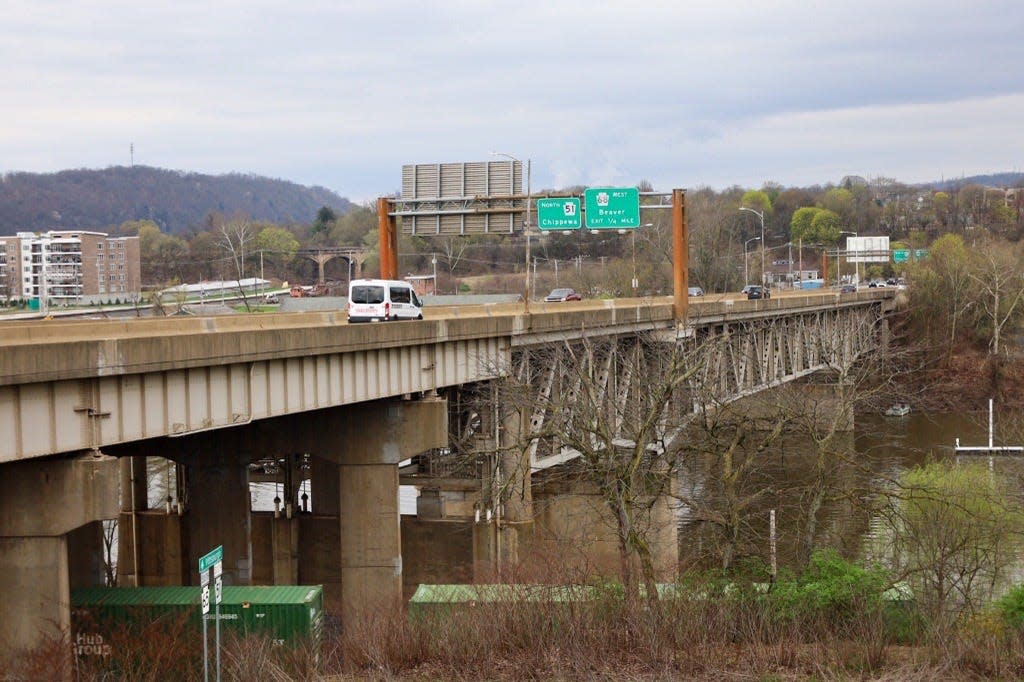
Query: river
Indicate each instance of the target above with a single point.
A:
(864, 466)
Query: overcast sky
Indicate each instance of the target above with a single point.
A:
(343, 93)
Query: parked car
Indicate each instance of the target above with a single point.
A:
(755, 292)
(563, 294)
(848, 289)
(695, 291)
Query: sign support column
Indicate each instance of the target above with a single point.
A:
(213, 559)
(387, 231)
(680, 255)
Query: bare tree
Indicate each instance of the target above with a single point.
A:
(1000, 281)
(616, 406)
(729, 481)
(453, 248)
(236, 238)
(109, 539)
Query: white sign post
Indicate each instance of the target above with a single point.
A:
(212, 560)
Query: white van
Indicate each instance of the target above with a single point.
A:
(382, 300)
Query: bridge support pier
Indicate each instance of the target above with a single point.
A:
(515, 529)
(218, 512)
(367, 442)
(573, 519)
(371, 545)
(47, 517)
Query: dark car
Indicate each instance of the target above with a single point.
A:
(755, 292)
(848, 289)
(563, 295)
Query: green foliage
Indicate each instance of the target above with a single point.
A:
(825, 227)
(955, 534)
(757, 199)
(279, 245)
(800, 225)
(161, 254)
(1011, 607)
(830, 587)
(840, 202)
(324, 220)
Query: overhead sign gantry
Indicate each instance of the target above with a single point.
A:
(487, 198)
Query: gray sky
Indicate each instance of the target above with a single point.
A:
(682, 94)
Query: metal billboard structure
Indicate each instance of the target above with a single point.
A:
(867, 250)
(484, 197)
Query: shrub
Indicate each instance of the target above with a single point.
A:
(831, 588)
(1011, 607)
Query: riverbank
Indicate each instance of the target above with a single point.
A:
(967, 383)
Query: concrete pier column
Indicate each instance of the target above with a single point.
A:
(573, 518)
(219, 513)
(830, 404)
(323, 486)
(45, 502)
(87, 556)
(368, 441)
(284, 542)
(35, 590)
(371, 544)
(515, 525)
(319, 546)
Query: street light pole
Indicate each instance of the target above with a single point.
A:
(526, 225)
(635, 282)
(759, 214)
(746, 271)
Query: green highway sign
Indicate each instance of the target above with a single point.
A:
(612, 208)
(900, 255)
(561, 213)
(208, 560)
(920, 254)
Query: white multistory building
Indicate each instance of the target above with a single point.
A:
(69, 267)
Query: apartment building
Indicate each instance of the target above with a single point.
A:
(70, 267)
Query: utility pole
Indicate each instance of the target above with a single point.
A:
(433, 261)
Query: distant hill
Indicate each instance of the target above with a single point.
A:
(990, 180)
(175, 200)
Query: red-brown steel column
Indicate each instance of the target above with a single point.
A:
(680, 255)
(388, 231)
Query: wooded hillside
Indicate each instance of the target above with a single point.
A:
(174, 200)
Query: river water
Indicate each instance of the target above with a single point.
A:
(867, 464)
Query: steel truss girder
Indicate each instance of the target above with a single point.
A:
(739, 358)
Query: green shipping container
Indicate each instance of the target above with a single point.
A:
(440, 599)
(286, 614)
